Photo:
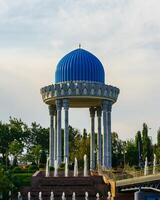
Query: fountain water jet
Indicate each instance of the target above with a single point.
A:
(74, 196)
(86, 195)
(9, 195)
(97, 196)
(19, 196)
(66, 167)
(63, 196)
(40, 196)
(47, 167)
(52, 196)
(154, 164)
(75, 167)
(85, 165)
(29, 196)
(55, 168)
(109, 195)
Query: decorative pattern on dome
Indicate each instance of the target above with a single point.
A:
(79, 65)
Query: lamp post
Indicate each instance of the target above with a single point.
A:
(124, 153)
(139, 155)
(124, 157)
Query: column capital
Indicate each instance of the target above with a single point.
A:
(92, 111)
(51, 110)
(66, 104)
(58, 104)
(99, 111)
(107, 106)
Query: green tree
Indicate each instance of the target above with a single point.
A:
(17, 127)
(39, 136)
(138, 141)
(131, 153)
(5, 183)
(158, 137)
(117, 150)
(157, 146)
(78, 145)
(43, 158)
(15, 149)
(5, 139)
(84, 148)
(84, 133)
(36, 152)
(147, 144)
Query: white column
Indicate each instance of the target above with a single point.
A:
(66, 129)
(59, 134)
(107, 140)
(92, 139)
(55, 137)
(109, 134)
(51, 135)
(104, 155)
(99, 137)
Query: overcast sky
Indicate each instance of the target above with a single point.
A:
(123, 34)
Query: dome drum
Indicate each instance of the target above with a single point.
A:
(85, 91)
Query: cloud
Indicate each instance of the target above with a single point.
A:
(35, 34)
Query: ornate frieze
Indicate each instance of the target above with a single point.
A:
(81, 89)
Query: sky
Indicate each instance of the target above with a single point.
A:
(123, 34)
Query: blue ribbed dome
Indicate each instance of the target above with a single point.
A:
(79, 65)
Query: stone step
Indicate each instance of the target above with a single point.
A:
(68, 181)
(79, 185)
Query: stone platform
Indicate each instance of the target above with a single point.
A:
(79, 185)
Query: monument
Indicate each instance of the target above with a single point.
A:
(80, 83)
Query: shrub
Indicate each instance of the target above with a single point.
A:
(71, 166)
(42, 166)
(43, 158)
(20, 180)
(17, 170)
(51, 168)
(62, 166)
(32, 168)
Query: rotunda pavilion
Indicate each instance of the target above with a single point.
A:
(80, 83)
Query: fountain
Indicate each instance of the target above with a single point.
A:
(85, 165)
(63, 196)
(52, 196)
(40, 196)
(66, 167)
(47, 167)
(9, 195)
(109, 195)
(29, 196)
(19, 196)
(55, 168)
(75, 167)
(154, 164)
(86, 195)
(97, 196)
(146, 167)
(74, 196)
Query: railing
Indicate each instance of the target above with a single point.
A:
(121, 174)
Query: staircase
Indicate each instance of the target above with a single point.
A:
(79, 185)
